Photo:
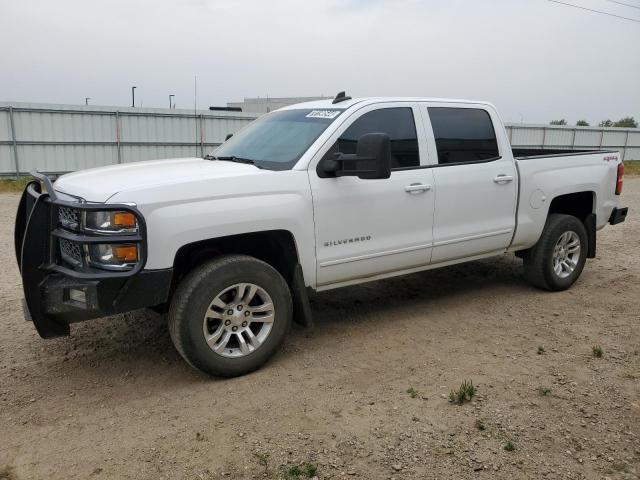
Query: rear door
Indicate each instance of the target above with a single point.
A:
(475, 181)
(366, 228)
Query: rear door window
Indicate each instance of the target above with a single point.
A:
(463, 135)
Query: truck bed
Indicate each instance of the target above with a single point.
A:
(532, 153)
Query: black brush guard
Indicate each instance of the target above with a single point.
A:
(47, 281)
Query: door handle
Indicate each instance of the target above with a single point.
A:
(417, 188)
(502, 178)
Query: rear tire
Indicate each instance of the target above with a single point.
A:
(557, 260)
(230, 315)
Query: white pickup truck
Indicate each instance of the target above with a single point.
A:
(313, 196)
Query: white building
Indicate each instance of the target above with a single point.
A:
(268, 104)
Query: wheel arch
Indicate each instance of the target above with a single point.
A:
(275, 247)
(581, 205)
(278, 248)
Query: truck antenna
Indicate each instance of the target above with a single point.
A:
(340, 97)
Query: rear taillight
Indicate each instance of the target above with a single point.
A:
(620, 178)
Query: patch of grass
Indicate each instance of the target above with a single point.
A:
(480, 425)
(632, 167)
(541, 349)
(464, 394)
(597, 351)
(413, 393)
(298, 472)
(544, 391)
(310, 469)
(13, 185)
(263, 459)
(509, 446)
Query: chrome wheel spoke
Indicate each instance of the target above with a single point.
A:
(217, 302)
(220, 346)
(249, 294)
(266, 318)
(253, 340)
(557, 267)
(265, 307)
(213, 338)
(244, 348)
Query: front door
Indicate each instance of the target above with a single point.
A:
(366, 228)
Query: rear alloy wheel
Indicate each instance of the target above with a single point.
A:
(230, 315)
(566, 254)
(557, 260)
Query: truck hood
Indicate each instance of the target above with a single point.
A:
(100, 184)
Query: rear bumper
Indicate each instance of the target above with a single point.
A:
(57, 294)
(618, 215)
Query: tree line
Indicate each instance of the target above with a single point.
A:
(626, 122)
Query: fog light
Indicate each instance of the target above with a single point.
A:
(77, 295)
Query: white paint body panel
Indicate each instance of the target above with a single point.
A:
(464, 216)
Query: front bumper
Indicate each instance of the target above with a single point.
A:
(58, 293)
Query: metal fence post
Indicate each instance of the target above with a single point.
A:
(201, 135)
(14, 142)
(624, 149)
(118, 136)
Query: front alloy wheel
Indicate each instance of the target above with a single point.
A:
(230, 315)
(238, 320)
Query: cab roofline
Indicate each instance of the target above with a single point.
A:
(328, 103)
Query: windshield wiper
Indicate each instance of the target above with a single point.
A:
(233, 158)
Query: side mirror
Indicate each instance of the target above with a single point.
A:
(229, 135)
(371, 161)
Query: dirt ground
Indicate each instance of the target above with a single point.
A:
(114, 400)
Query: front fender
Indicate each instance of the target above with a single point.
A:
(181, 214)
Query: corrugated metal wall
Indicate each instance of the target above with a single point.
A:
(62, 138)
(626, 140)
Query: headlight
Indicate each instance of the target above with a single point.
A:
(117, 256)
(110, 222)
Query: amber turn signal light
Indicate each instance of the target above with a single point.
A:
(124, 220)
(127, 253)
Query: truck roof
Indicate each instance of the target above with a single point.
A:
(369, 100)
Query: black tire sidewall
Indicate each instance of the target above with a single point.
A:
(558, 226)
(209, 281)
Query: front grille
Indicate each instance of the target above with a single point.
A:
(69, 218)
(70, 252)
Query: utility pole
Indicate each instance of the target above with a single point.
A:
(133, 96)
(86, 100)
(170, 97)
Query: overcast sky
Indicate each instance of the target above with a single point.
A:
(532, 58)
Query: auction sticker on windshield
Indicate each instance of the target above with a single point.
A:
(323, 114)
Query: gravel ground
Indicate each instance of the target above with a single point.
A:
(114, 400)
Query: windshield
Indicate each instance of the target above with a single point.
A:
(276, 141)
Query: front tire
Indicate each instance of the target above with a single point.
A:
(230, 315)
(557, 260)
